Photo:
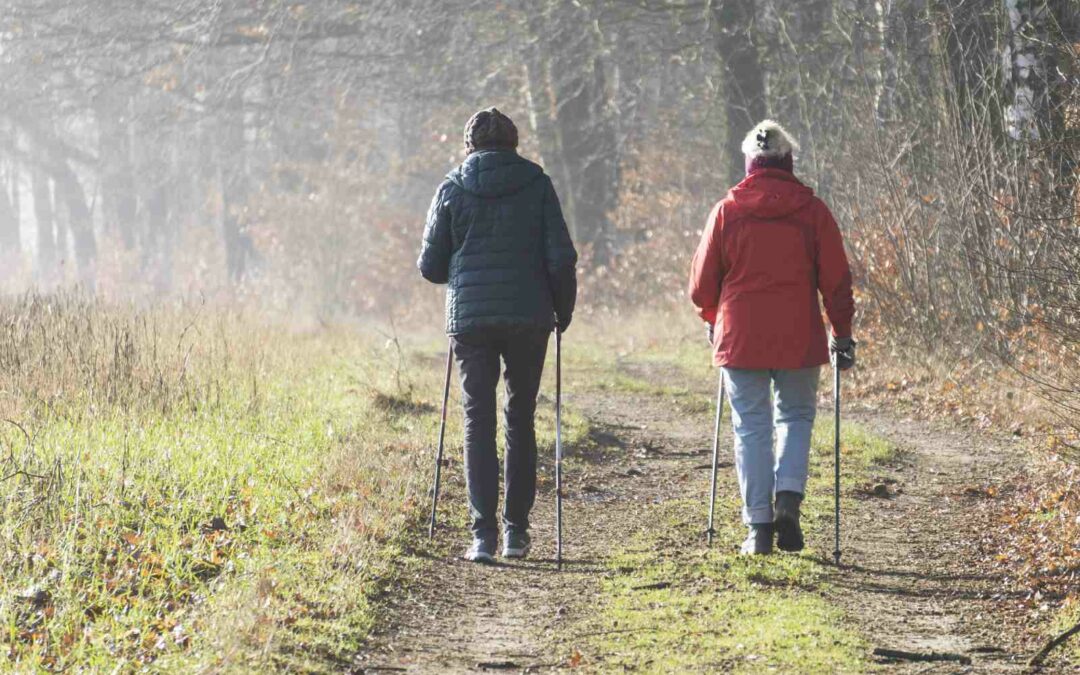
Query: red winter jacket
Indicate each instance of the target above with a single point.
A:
(767, 250)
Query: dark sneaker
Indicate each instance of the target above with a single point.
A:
(789, 536)
(482, 550)
(759, 540)
(516, 544)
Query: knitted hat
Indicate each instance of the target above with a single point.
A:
(490, 130)
(769, 146)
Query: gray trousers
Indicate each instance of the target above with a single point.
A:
(768, 405)
(478, 357)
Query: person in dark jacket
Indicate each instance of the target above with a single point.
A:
(496, 236)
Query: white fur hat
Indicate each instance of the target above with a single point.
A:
(768, 139)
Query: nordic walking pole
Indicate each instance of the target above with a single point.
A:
(715, 454)
(558, 447)
(442, 441)
(836, 456)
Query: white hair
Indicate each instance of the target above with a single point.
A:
(768, 139)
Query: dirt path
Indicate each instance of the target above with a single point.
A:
(910, 577)
(906, 583)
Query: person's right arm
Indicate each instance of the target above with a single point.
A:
(560, 258)
(707, 269)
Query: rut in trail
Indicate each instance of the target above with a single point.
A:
(906, 587)
(912, 583)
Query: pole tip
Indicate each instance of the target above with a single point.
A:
(836, 557)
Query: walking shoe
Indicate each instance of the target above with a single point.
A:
(789, 536)
(482, 550)
(516, 544)
(759, 541)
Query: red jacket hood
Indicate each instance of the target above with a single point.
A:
(771, 193)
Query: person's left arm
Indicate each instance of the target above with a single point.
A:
(435, 252)
(560, 258)
(834, 275)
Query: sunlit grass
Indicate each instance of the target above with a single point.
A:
(673, 606)
(1064, 619)
(231, 503)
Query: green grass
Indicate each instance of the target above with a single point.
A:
(715, 611)
(1066, 618)
(199, 491)
(669, 605)
(195, 490)
(685, 399)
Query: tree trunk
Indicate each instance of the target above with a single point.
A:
(569, 105)
(10, 216)
(156, 256)
(890, 35)
(80, 221)
(1026, 86)
(744, 91)
(118, 198)
(234, 190)
(46, 228)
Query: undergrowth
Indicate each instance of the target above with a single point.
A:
(185, 489)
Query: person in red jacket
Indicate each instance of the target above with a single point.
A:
(768, 249)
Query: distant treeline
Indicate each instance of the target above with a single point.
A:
(289, 149)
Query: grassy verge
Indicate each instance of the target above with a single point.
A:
(186, 491)
(193, 491)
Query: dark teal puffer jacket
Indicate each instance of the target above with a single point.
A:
(495, 233)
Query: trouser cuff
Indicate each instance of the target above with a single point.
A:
(758, 516)
(791, 485)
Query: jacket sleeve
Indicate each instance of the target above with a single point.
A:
(560, 257)
(435, 251)
(707, 269)
(834, 275)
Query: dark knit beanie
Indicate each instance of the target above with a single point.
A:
(490, 130)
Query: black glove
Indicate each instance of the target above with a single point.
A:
(842, 352)
(709, 332)
(562, 323)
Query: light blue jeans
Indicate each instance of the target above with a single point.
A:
(756, 417)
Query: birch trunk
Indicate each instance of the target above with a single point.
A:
(1023, 68)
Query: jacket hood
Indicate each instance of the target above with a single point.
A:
(494, 173)
(771, 193)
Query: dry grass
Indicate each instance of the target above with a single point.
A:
(198, 491)
(187, 489)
